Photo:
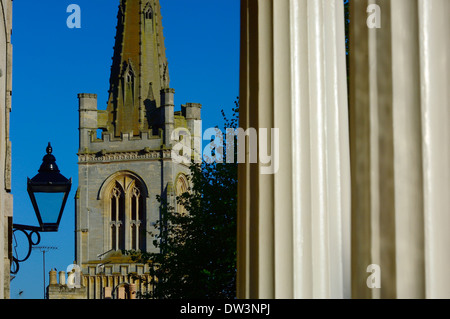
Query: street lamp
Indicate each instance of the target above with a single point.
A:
(48, 192)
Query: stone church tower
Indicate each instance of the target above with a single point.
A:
(125, 159)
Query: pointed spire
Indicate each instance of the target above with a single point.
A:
(139, 59)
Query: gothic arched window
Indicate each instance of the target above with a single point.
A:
(137, 220)
(129, 75)
(148, 11)
(181, 187)
(128, 84)
(126, 211)
(117, 221)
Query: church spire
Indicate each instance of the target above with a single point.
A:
(139, 65)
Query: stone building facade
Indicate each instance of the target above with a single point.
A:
(125, 159)
(5, 146)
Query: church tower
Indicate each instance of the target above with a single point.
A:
(125, 158)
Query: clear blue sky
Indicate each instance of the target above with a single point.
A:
(53, 63)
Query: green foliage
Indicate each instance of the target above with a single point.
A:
(197, 256)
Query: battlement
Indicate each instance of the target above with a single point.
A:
(164, 121)
(191, 111)
(126, 142)
(87, 95)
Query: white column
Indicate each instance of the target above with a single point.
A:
(407, 145)
(294, 225)
(399, 113)
(434, 48)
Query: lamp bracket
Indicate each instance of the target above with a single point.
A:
(29, 231)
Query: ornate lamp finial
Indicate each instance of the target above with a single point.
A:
(49, 148)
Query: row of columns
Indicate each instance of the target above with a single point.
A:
(364, 169)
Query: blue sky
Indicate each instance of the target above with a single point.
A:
(53, 63)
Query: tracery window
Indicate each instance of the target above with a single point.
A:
(130, 76)
(148, 12)
(129, 87)
(127, 213)
(180, 188)
(117, 222)
(137, 220)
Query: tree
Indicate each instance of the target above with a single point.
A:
(197, 257)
